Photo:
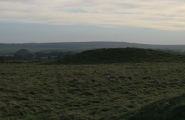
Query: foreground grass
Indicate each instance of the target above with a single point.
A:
(33, 91)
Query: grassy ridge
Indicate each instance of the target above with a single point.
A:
(167, 109)
(120, 55)
(32, 91)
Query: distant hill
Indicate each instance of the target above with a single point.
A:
(22, 52)
(119, 55)
(81, 46)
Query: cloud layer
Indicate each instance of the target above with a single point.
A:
(157, 14)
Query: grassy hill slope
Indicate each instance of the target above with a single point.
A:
(166, 109)
(119, 55)
(129, 91)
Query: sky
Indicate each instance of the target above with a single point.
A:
(134, 21)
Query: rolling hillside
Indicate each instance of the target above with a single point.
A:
(120, 55)
(81, 46)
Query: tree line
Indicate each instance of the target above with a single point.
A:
(25, 55)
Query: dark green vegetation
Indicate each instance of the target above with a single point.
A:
(121, 55)
(142, 91)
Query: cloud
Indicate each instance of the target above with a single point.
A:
(157, 14)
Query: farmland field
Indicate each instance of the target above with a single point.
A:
(148, 90)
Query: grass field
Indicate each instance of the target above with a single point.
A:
(149, 90)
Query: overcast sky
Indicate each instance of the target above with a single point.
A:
(139, 21)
